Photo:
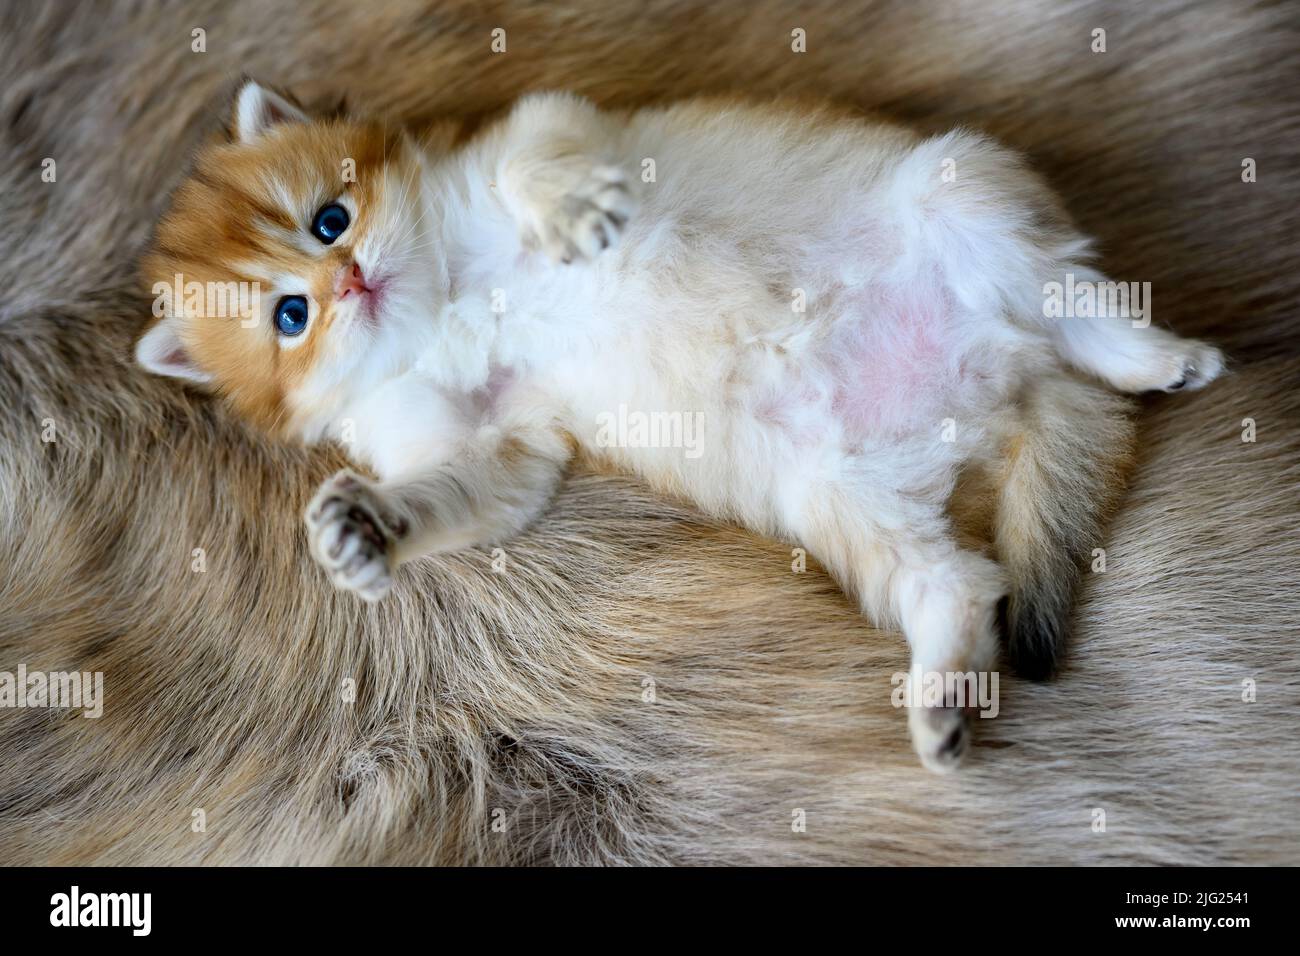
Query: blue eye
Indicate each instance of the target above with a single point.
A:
(330, 223)
(291, 314)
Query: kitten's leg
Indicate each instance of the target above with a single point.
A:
(898, 559)
(360, 531)
(554, 167)
(1134, 358)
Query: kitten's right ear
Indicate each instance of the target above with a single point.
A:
(161, 351)
(257, 109)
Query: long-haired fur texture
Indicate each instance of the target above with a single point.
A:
(640, 685)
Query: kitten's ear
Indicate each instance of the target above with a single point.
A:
(257, 109)
(161, 351)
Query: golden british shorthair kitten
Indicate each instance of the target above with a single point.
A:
(804, 322)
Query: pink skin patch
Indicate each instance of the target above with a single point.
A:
(888, 369)
(895, 364)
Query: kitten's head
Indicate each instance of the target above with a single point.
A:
(289, 262)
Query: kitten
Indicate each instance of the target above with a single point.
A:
(853, 316)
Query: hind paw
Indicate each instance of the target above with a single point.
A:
(1168, 364)
(941, 736)
(1197, 367)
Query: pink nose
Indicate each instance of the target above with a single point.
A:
(352, 281)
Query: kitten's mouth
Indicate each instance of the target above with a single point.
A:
(367, 305)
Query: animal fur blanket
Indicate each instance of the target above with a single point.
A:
(639, 684)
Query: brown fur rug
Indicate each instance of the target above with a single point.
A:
(639, 685)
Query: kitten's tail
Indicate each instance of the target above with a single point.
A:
(1063, 475)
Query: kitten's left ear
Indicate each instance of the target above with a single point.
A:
(162, 352)
(257, 109)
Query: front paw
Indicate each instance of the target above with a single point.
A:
(352, 534)
(583, 220)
